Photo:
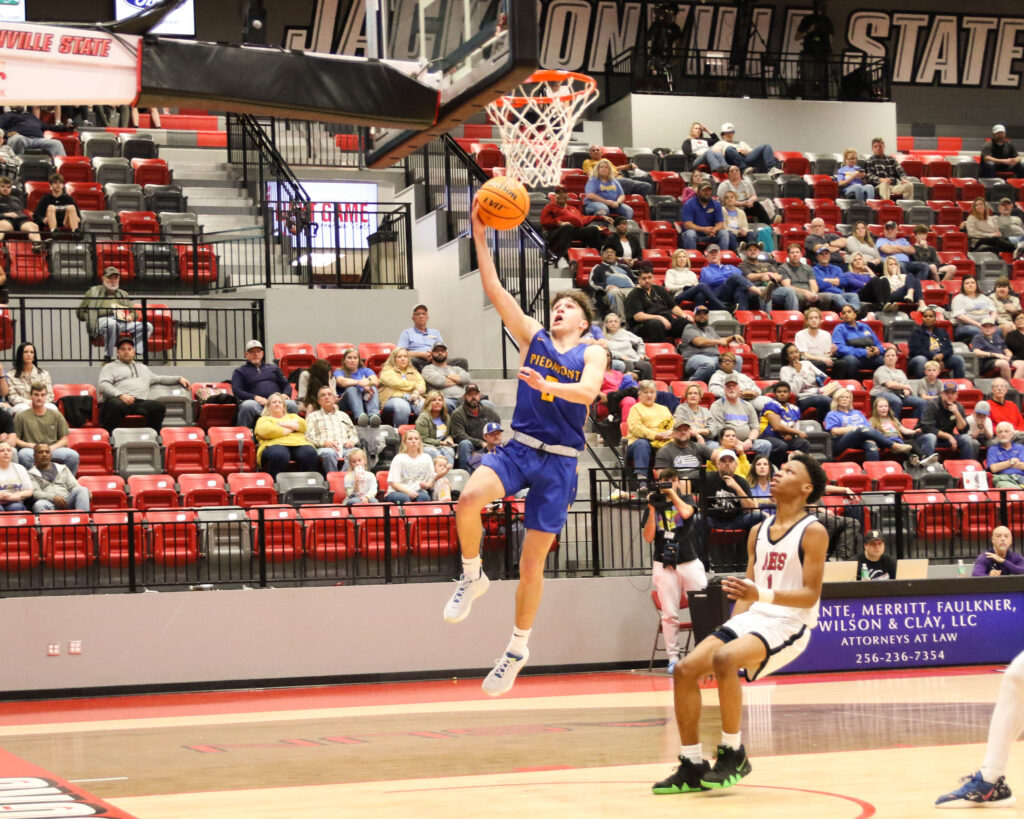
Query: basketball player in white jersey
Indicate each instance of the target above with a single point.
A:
(986, 787)
(776, 608)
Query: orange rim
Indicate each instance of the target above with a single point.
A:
(550, 75)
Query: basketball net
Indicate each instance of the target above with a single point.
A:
(536, 122)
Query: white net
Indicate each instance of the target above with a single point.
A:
(536, 122)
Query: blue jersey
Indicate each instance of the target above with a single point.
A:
(548, 419)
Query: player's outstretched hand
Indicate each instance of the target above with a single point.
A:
(532, 377)
(740, 588)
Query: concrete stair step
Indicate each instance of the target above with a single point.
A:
(203, 181)
(205, 155)
(204, 195)
(230, 207)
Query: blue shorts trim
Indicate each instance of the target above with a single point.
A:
(551, 480)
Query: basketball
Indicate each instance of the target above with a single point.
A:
(504, 203)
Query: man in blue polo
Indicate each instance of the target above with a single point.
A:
(831, 279)
(857, 346)
(892, 243)
(1005, 460)
(702, 219)
(727, 281)
(420, 339)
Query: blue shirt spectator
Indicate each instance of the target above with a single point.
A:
(850, 418)
(844, 334)
(703, 214)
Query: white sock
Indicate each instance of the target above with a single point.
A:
(472, 567)
(1007, 721)
(732, 740)
(692, 753)
(520, 636)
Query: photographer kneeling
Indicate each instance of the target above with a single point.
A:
(669, 525)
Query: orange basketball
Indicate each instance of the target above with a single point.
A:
(503, 202)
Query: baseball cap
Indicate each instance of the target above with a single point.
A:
(419, 307)
(983, 408)
(701, 308)
(998, 129)
(727, 128)
(824, 249)
(471, 387)
(987, 320)
(873, 534)
(724, 453)
(110, 271)
(682, 422)
(126, 340)
(950, 386)
(440, 346)
(704, 184)
(492, 427)
(890, 225)
(252, 344)
(731, 379)
(1006, 200)
(712, 248)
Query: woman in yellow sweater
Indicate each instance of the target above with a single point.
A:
(401, 387)
(281, 437)
(650, 428)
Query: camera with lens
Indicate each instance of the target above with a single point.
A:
(655, 495)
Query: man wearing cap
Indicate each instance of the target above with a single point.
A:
(699, 346)
(998, 154)
(893, 243)
(1003, 409)
(612, 281)
(1005, 460)
(873, 563)
(758, 268)
(682, 453)
(732, 411)
(254, 382)
(945, 422)
(419, 339)
(993, 355)
(885, 174)
(108, 313)
(492, 440)
(446, 378)
(731, 365)
(651, 312)
(728, 283)
(930, 343)
(736, 152)
(979, 424)
(124, 389)
(703, 220)
(727, 505)
(466, 425)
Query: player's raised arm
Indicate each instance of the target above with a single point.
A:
(522, 326)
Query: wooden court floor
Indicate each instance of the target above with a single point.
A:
(835, 746)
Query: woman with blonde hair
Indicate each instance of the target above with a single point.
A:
(402, 387)
(281, 436)
(851, 429)
(682, 282)
(411, 476)
(889, 425)
(603, 193)
(851, 178)
(432, 425)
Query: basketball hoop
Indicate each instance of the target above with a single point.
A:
(536, 122)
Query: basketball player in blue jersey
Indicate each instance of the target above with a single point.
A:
(559, 377)
(776, 608)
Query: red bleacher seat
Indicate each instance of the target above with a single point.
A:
(116, 254)
(93, 447)
(796, 211)
(667, 366)
(232, 449)
(977, 512)
(949, 145)
(253, 489)
(105, 491)
(139, 225)
(370, 520)
(163, 337)
(827, 209)
(151, 172)
(825, 188)
(431, 529)
(489, 157)
(34, 191)
(294, 356)
(888, 476)
(74, 168)
(66, 539)
(904, 143)
(114, 538)
(333, 352)
(210, 414)
(185, 450)
(175, 537)
(661, 235)
(6, 329)
(574, 180)
(26, 266)
(582, 260)
(793, 162)
(282, 532)
(336, 483)
(968, 188)
(937, 166)
(374, 354)
(205, 489)
(477, 131)
(954, 242)
(641, 210)
(148, 491)
(939, 187)
(87, 195)
(964, 267)
(330, 532)
(912, 166)
(69, 139)
(19, 541)
(197, 265)
(957, 467)
(668, 183)
(937, 519)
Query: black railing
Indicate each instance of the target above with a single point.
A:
(322, 144)
(184, 330)
(130, 550)
(265, 173)
(786, 75)
(340, 244)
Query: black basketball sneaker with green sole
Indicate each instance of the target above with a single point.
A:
(731, 766)
(685, 779)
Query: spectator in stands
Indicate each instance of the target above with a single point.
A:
(930, 387)
(42, 425)
(757, 268)
(891, 383)
(57, 209)
(736, 222)
(896, 286)
(930, 343)
(604, 194)
(650, 428)
(492, 440)
(54, 485)
(982, 230)
(697, 150)
(419, 339)
(886, 421)
(12, 216)
(651, 312)
(885, 173)
(834, 282)
(25, 371)
(1015, 338)
(780, 425)
(311, 380)
(433, 425)
(732, 411)
(254, 382)
(10, 162)
(851, 178)
(616, 387)
(691, 410)
(761, 473)
(797, 276)
(1003, 409)
(682, 283)
(25, 130)
(818, 237)
(702, 219)
(736, 152)
(998, 154)
(746, 197)
(728, 283)
(727, 368)
(850, 429)
(992, 353)
(857, 346)
(411, 476)
(690, 191)
(872, 291)
(446, 378)
(626, 347)
(611, 281)
(564, 224)
(683, 454)
(108, 313)
(281, 438)
(629, 186)
(330, 431)
(124, 389)
(1000, 560)
(979, 424)
(806, 382)
(892, 244)
(699, 347)
(945, 420)
(467, 425)
(402, 387)
(1006, 303)
(861, 241)
(360, 483)
(873, 563)
(627, 245)
(969, 309)
(927, 255)
(1010, 225)
(1005, 459)
(729, 503)
(815, 344)
(358, 387)
(15, 484)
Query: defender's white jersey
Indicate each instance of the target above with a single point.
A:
(779, 566)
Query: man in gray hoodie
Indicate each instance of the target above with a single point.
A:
(124, 389)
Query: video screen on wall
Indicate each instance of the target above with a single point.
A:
(179, 23)
(355, 202)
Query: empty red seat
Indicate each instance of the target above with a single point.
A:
(232, 449)
(87, 195)
(373, 534)
(151, 172)
(19, 541)
(330, 532)
(333, 352)
(148, 491)
(26, 266)
(185, 450)
(174, 536)
(140, 225)
(116, 254)
(661, 235)
(582, 260)
(281, 534)
(197, 265)
(67, 539)
(205, 489)
(294, 356)
(116, 538)
(254, 488)
(374, 354)
(888, 476)
(74, 168)
(431, 529)
(105, 491)
(93, 448)
(668, 183)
